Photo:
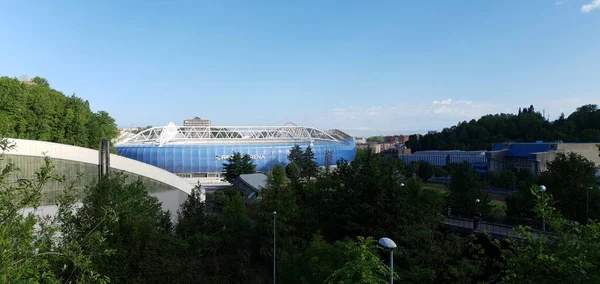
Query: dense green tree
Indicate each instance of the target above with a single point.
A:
(139, 234)
(424, 170)
(277, 177)
(32, 110)
(31, 251)
(192, 217)
(280, 198)
(527, 125)
(568, 177)
(238, 165)
(40, 81)
(363, 266)
(466, 187)
(376, 139)
(568, 255)
(292, 171)
(295, 155)
(309, 167)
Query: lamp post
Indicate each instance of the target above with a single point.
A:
(476, 218)
(389, 245)
(274, 249)
(587, 221)
(542, 190)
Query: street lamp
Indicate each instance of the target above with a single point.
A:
(476, 218)
(402, 184)
(588, 205)
(389, 245)
(542, 190)
(274, 248)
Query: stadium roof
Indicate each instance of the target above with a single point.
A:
(173, 134)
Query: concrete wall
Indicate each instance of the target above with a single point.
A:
(89, 156)
(588, 150)
(171, 199)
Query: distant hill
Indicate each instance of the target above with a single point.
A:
(527, 125)
(30, 109)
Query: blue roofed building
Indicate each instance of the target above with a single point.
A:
(535, 155)
(477, 159)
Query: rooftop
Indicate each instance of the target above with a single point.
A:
(173, 134)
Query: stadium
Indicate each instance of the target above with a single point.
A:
(198, 150)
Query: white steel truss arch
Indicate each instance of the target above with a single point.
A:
(172, 134)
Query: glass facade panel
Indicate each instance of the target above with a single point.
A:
(209, 158)
(79, 175)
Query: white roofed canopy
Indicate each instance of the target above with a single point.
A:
(172, 134)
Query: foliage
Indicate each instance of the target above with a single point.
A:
(238, 165)
(304, 160)
(583, 125)
(280, 198)
(293, 171)
(32, 250)
(567, 255)
(192, 217)
(139, 232)
(309, 167)
(465, 188)
(37, 112)
(363, 266)
(424, 170)
(569, 177)
(376, 139)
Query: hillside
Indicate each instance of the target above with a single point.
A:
(32, 110)
(527, 125)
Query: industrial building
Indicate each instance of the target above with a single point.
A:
(477, 159)
(532, 157)
(201, 151)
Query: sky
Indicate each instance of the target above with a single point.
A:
(365, 67)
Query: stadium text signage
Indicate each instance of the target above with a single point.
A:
(225, 157)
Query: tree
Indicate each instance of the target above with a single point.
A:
(277, 176)
(40, 81)
(32, 110)
(293, 171)
(376, 139)
(525, 126)
(465, 188)
(238, 165)
(138, 232)
(309, 167)
(295, 155)
(280, 198)
(364, 266)
(31, 251)
(425, 170)
(567, 255)
(568, 177)
(192, 217)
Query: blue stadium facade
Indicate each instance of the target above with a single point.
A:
(180, 149)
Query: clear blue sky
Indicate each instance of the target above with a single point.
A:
(364, 66)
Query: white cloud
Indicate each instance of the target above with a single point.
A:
(589, 7)
(418, 117)
(403, 116)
